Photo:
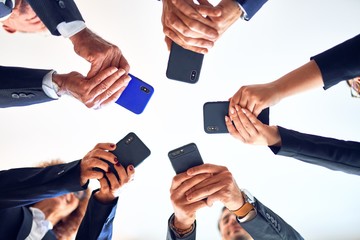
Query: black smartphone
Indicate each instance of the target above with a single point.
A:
(136, 95)
(129, 151)
(185, 157)
(184, 65)
(214, 116)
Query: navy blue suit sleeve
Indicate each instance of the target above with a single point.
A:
(268, 225)
(339, 63)
(338, 155)
(171, 235)
(98, 220)
(21, 86)
(251, 7)
(53, 12)
(25, 186)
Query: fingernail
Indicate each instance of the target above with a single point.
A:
(232, 111)
(226, 119)
(244, 111)
(112, 145)
(131, 167)
(116, 160)
(118, 164)
(237, 108)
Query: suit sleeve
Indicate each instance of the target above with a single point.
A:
(24, 186)
(338, 155)
(339, 63)
(172, 235)
(98, 220)
(21, 86)
(251, 7)
(54, 12)
(268, 225)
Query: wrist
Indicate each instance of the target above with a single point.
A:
(59, 83)
(275, 138)
(103, 198)
(182, 224)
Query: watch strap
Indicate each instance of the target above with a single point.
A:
(244, 210)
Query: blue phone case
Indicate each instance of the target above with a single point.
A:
(136, 95)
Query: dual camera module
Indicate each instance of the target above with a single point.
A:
(193, 75)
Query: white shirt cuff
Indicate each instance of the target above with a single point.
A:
(71, 28)
(244, 14)
(7, 16)
(48, 86)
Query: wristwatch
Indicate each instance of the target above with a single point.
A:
(246, 212)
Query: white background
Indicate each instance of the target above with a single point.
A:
(319, 203)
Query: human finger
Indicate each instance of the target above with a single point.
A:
(115, 184)
(205, 168)
(245, 121)
(232, 130)
(123, 176)
(110, 87)
(209, 10)
(204, 192)
(194, 22)
(112, 98)
(175, 37)
(234, 116)
(105, 146)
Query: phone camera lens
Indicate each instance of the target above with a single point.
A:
(145, 89)
(193, 75)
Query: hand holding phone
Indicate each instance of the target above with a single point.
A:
(214, 117)
(129, 151)
(185, 157)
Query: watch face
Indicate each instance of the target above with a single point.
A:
(248, 197)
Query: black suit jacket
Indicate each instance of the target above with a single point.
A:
(53, 12)
(21, 86)
(23, 187)
(339, 63)
(266, 225)
(338, 155)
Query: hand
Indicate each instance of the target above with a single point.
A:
(100, 90)
(229, 11)
(256, 97)
(110, 185)
(243, 125)
(23, 19)
(95, 159)
(185, 210)
(185, 26)
(221, 186)
(100, 53)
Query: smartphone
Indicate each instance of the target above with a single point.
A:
(185, 157)
(136, 95)
(184, 65)
(214, 117)
(129, 151)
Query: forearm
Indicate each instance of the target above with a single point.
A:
(339, 63)
(299, 80)
(338, 155)
(24, 186)
(269, 224)
(98, 220)
(52, 13)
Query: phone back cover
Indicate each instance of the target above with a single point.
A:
(214, 117)
(184, 65)
(135, 97)
(185, 157)
(131, 150)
